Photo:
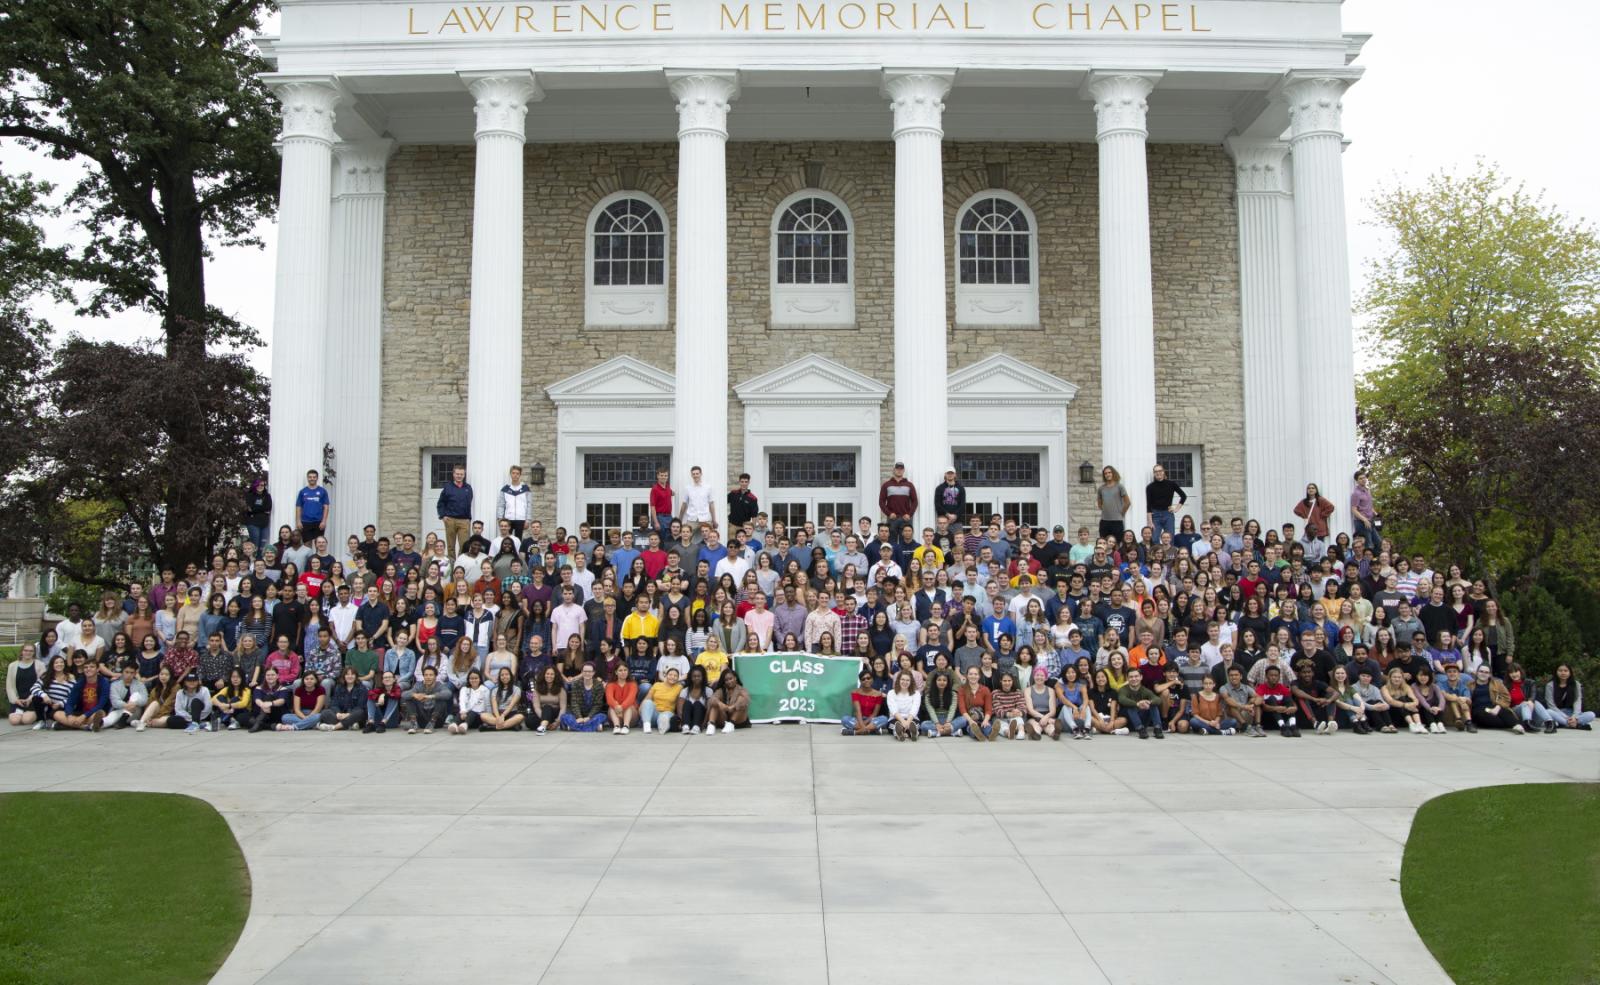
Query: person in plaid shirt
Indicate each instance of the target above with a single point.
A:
(851, 622)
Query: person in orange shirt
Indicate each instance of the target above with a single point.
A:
(973, 703)
(622, 700)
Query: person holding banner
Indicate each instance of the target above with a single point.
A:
(903, 707)
(730, 703)
(868, 703)
(941, 716)
(974, 701)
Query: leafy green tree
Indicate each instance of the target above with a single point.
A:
(158, 104)
(1483, 421)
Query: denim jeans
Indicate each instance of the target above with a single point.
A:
(1533, 711)
(1562, 714)
(1201, 728)
(956, 725)
(302, 723)
(573, 723)
(649, 714)
(847, 724)
(1163, 520)
(1138, 718)
(257, 535)
(391, 713)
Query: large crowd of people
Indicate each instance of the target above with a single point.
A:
(972, 626)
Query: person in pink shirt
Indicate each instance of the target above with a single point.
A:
(759, 620)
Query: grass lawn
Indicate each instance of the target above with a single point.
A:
(1503, 883)
(131, 888)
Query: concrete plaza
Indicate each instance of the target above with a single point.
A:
(795, 855)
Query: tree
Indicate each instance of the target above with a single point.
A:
(1482, 423)
(158, 103)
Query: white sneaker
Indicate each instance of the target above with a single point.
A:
(695, 729)
(543, 727)
(1333, 727)
(137, 726)
(1518, 729)
(646, 727)
(39, 726)
(711, 730)
(624, 730)
(233, 726)
(324, 727)
(1228, 731)
(1418, 729)
(727, 727)
(1322, 728)
(1119, 731)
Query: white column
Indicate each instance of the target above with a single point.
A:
(1322, 285)
(355, 332)
(1273, 464)
(494, 357)
(700, 404)
(1127, 309)
(300, 297)
(921, 435)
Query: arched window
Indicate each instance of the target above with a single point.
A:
(627, 261)
(996, 259)
(812, 259)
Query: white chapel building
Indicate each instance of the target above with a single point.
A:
(806, 240)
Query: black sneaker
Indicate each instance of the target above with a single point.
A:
(379, 728)
(1549, 728)
(1471, 727)
(1144, 733)
(1161, 733)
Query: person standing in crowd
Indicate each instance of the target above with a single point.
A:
(1158, 496)
(742, 506)
(950, 498)
(1114, 503)
(699, 502)
(897, 501)
(1316, 511)
(515, 503)
(312, 508)
(258, 511)
(660, 509)
(1363, 517)
(454, 508)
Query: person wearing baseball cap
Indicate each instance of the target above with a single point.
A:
(897, 500)
(950, 499)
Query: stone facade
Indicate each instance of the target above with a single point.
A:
(1194, 236)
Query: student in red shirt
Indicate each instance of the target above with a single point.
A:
(975, 704)
(1277, 704)
(661, 506)
(868, 703)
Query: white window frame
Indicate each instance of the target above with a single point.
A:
(996, 304)
(626, 306)
(813, 305)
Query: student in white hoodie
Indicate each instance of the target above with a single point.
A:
(128, 698)
(472, 702)
(514, 502)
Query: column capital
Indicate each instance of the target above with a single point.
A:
(704, 98)
(1259, 164)
(917, 98)
(360, 167)
(308, 105)
(1121, 100)
(501, 100)
(1316, 101)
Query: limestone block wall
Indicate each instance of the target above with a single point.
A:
(1198, 374)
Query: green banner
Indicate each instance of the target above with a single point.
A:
(797, 687)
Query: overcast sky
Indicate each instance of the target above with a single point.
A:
(1445, 83)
